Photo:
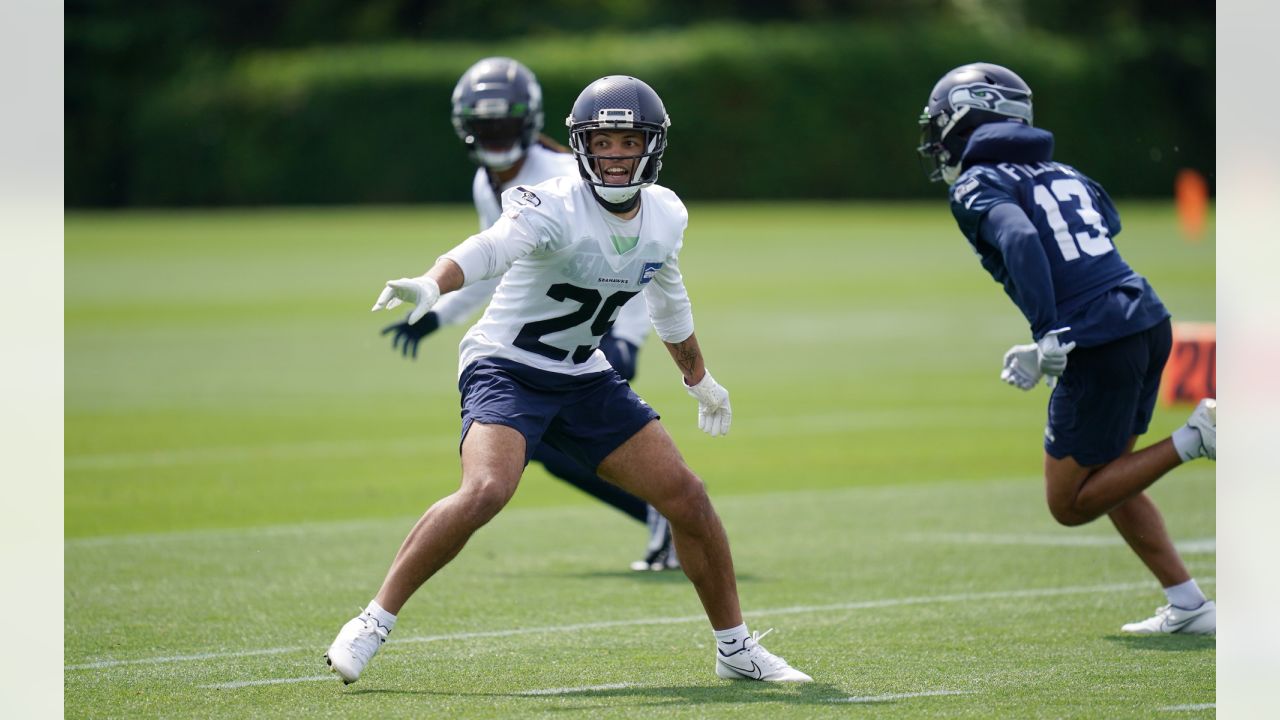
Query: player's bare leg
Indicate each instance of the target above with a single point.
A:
(1078, 494)
(1139, 522)
(1189, 611)
(492, 462)
(649, 466)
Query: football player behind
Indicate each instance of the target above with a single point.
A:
(1044, 230)
(498, 114)
(571, 252)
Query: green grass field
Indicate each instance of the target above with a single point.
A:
(244, 454)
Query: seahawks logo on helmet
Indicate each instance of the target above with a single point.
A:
(1001, 100)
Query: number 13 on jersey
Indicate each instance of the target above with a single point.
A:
(1086, 230)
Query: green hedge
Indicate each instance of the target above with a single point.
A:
(773, 111)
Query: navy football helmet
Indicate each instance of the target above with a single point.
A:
(619, 102)
(497, 111)
(966, 97)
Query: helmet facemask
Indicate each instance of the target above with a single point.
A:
(496, 143)
(933, 153)
(645, 166)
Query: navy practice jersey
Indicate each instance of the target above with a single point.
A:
(1062, 269)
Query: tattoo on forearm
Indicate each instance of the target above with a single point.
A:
(686, 355)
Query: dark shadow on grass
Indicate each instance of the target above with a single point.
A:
(1166, 643)
(656, 695)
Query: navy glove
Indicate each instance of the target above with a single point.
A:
(407, 336)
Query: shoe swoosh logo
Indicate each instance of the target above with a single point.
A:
(753, 672)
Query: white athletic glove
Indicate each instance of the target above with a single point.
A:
(422, 291)
(1021, 368)
(714, 413)
(1053, 354)
(1024, 365)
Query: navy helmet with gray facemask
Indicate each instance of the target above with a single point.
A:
(619, 102)
(497, 111)
(966, 97)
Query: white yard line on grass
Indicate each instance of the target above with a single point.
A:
(233, 454)
(222, 534)
(825, 424)
(1197, 546)
(333, 678)
(399, 523)
(273, 681)
(902, 696)
(610, 624)
(1184, 708)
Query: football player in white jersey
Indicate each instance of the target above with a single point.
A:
(497, 114)
(571, 252)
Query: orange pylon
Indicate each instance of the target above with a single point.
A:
(1191, 194)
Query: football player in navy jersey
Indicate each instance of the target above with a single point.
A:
(1044, 231)
(497, 114)
(571, 252)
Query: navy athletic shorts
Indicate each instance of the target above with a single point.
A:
(1106, 396)
(583, 416)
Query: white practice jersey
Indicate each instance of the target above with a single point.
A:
(541, 163)
(568, 267)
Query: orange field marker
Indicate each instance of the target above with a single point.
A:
(1191, 194)
(1192, 371)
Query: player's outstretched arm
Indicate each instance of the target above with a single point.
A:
(452, 309)
(714, 413)
(423, 291)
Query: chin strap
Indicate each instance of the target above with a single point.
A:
(625, 206)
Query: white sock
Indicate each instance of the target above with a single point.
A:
(1186, 595)
(1186, 440)
(731, 638)
(382, 617)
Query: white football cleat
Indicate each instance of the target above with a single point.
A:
(663, 559)
(1169, 620)
(660, 552)
(356, 644)
(1205, 421)
(748, 660)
